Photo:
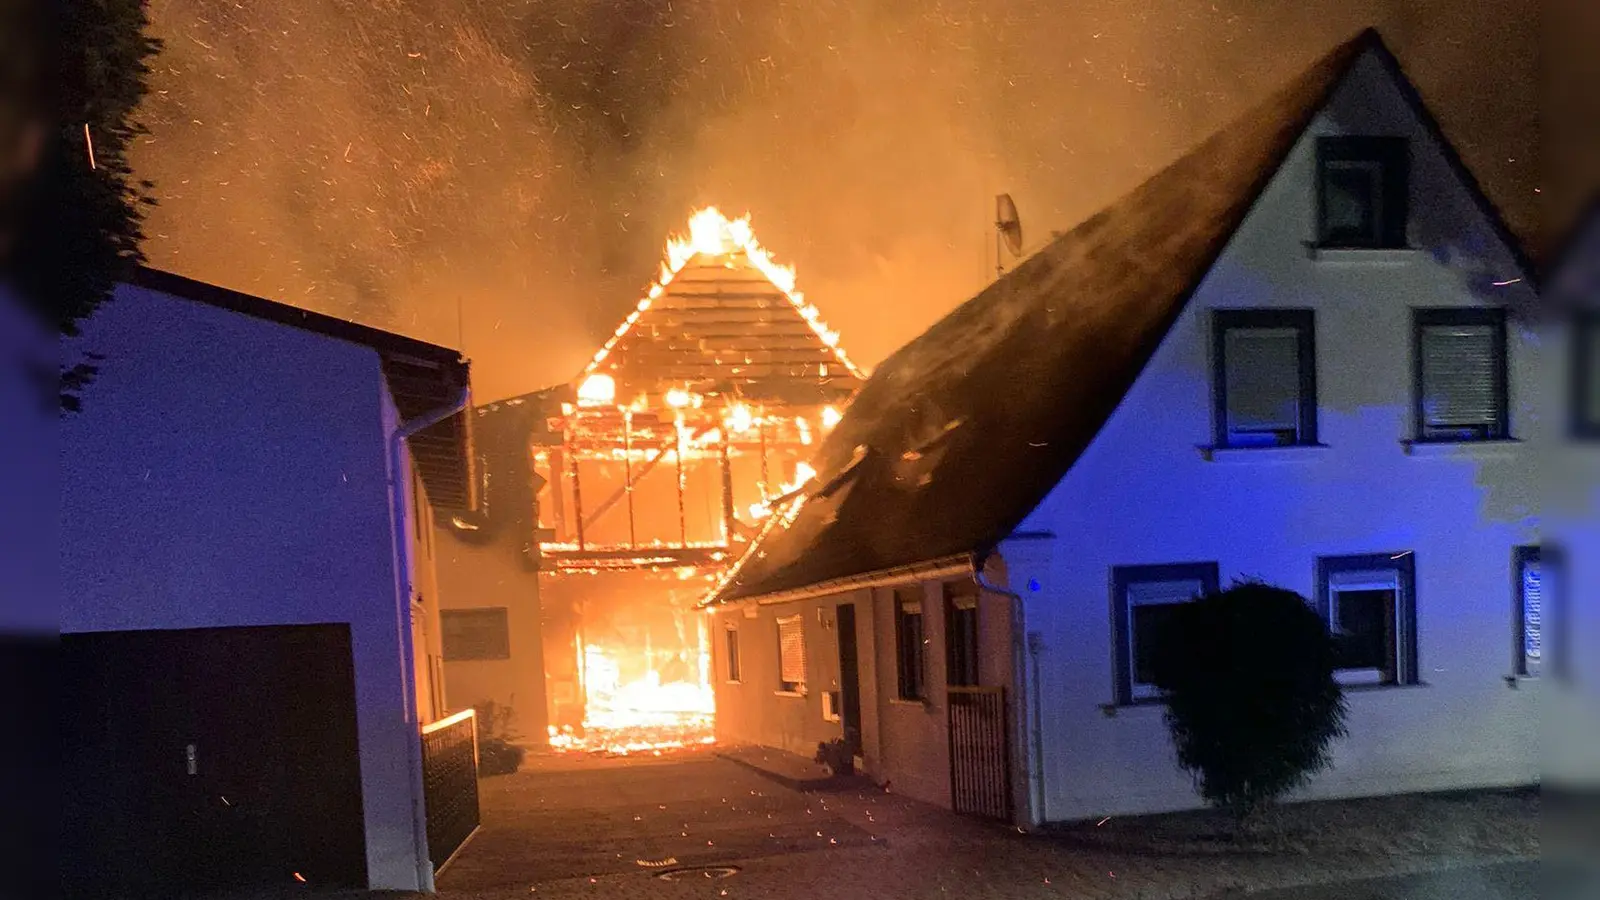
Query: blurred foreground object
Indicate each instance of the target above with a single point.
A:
(71, 77)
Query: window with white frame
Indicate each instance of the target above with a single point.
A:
(1264, 377)
(792, 654)
(1460, 374)
(1143, 600)
(1369, 604)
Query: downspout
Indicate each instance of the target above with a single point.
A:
(402, 543)
(1019, 641)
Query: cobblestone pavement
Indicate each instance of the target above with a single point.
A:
(611, 829)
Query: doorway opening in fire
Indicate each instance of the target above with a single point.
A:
(631, 672)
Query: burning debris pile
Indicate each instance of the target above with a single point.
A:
(658, 466)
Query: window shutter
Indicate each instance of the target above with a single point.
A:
(1141, 593)
(1458, 376)
(1532, 612)
(791, 650)
(1263, 379)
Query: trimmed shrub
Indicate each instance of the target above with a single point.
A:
(1252, 703)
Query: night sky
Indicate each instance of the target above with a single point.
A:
(502, 174)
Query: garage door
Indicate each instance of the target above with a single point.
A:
(210, 759)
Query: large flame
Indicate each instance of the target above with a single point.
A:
(643, 714)
(714, 234)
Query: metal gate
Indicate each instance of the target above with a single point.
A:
(980, 754)
(450, 784)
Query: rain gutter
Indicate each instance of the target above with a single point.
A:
(402, 546)
(943, 567)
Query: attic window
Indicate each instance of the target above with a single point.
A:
(1363, 188)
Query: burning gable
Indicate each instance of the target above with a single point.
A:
(660, 463)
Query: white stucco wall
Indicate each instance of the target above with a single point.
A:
(230, 471)
(1143, 494)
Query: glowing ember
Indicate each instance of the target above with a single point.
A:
(642, 714)
(740, 418)
(598, 389)
(803, 473)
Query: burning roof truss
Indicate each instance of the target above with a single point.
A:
(699, 412)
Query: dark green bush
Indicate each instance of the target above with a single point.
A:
(1252, 702)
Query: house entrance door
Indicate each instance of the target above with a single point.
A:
(849, 676)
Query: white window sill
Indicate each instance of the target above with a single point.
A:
(1388, 256)
(1275, 454)
(1112, 710)
(1373, 687)
(919, 704)
(1498, 448)
(800, 694)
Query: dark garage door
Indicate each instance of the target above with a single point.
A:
(207, 759)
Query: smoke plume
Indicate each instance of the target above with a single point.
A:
(501, 174)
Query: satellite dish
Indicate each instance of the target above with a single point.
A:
(1007, 223)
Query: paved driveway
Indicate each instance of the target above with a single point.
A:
(1502, 881)
(567, 830)
(637, 817)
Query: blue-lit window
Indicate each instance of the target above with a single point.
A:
(1528, 610)
(1459, 374)
(1265, 380)
(1143, 599)
(1370, 605)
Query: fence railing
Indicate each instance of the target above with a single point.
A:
(980, 754)
(450, 784)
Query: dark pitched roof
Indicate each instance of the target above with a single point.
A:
(962, 432)
(421, 377)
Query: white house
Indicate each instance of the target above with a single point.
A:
(1306, 353)
(248, 605)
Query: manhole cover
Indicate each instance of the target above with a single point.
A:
(692, 873)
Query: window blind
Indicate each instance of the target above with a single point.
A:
(791, 650)
(1263, 379)
(1141, 593)
(1459, 385)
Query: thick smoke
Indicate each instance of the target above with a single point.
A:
(503, 172)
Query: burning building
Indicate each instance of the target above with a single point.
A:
(655, 467)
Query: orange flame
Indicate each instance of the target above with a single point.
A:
(713, 234)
